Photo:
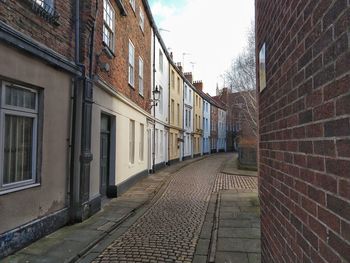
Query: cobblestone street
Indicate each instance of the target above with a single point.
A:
(169, 230)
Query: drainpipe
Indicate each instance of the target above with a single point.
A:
(73, 191)
(183, 119)
(169, 89)
(154, 105)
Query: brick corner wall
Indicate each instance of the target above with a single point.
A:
(304, 126)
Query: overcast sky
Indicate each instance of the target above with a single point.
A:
(212, 32)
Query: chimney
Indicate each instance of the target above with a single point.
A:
(198, 84)
(189, 76)
(171, 55)
(178, 65)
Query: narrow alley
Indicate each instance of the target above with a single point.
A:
(185, 221)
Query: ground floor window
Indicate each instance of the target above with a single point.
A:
(18, 142)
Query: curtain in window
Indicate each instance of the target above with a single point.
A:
(18, 149)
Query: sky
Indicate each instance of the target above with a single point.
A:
(210, 33)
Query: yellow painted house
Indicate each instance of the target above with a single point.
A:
(197, 124)
(175, 115)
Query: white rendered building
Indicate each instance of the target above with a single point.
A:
(160, 81)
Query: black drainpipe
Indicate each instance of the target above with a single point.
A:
(73, 197)
(154, 104)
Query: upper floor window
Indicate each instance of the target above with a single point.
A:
(161, 61)
(46, 9)
(131, 78)
(133, 4)
(140, 76)
(45, 3)
(160, 103)
(18, 143)
(172, 79)
(178, 85)
(142, 20)
(108, 24)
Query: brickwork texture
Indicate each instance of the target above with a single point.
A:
(304, 125)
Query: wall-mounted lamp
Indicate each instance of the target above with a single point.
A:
(156, 96)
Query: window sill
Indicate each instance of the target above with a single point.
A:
(131, 86)
(142, 96)
(12, 190)
(109, 52)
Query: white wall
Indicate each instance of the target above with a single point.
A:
(161, 111)
(122, 113)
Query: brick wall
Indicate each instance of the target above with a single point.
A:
(305, 130)
(21, 16)
(214, 121)
(127, 27)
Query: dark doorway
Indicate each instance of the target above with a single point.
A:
(105, 153)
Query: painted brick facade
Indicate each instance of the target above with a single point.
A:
(21, 16)
(304, 127)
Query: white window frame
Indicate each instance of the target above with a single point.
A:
(133, 4)
(142, 20)
(160, 104)
(131, 141)
(142, 142)
(131, 67)
(141, 76)
(161, 61)
(21, 112)
(106, 26)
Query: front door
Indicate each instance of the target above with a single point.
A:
(104, 153)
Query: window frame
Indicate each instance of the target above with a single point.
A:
(161, 61)
(107, 27)
(133, 5)
(140, 77)
(131, 65)
(131, 142)
(142, 20)
(142, 143)
(11, 110)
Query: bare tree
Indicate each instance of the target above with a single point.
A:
(241, 78)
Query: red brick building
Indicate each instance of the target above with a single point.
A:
(239, 124)
(304, 128)
(214, 111)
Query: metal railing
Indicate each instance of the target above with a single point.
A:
(45, 9)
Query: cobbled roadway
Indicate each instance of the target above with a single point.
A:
(169, 230)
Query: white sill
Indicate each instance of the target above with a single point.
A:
(20, 188)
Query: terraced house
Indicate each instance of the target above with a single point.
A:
(121, 118)
(197, 121)
(38, 79)
(188, 116)
(160, 101)
(175, 114)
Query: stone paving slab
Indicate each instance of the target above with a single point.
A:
(238, 236)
